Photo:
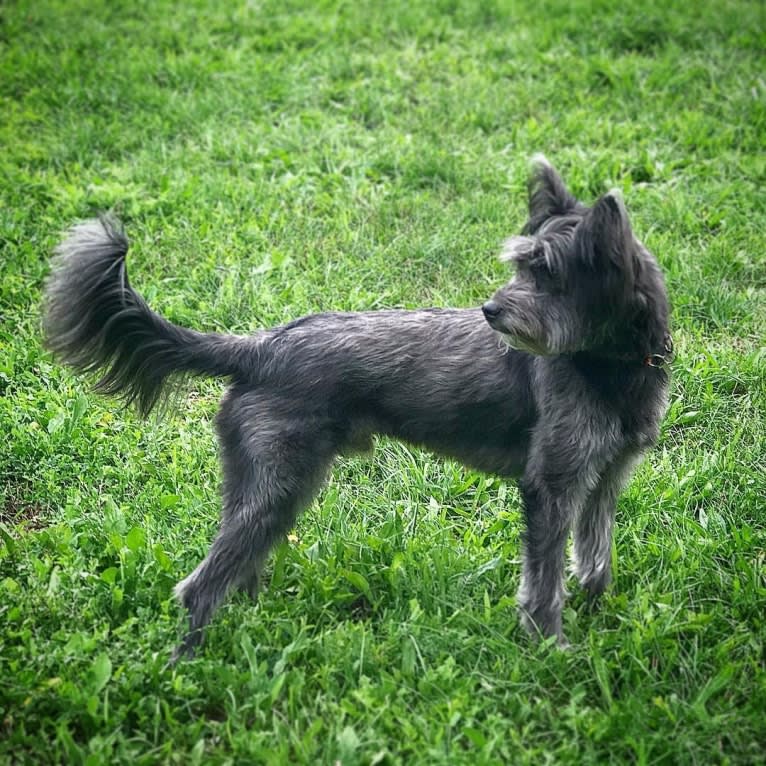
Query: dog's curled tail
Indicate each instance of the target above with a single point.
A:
(95, 321)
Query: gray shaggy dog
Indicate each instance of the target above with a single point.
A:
(559, 381)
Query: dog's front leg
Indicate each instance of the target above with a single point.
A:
(594, 526)
(559, 477)
(541, 593)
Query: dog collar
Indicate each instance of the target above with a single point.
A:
(656, 360)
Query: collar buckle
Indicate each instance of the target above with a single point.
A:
(656, 360)
(661, 360)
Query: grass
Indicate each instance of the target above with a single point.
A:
(276, 158)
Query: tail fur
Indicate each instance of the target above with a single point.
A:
(95, 321)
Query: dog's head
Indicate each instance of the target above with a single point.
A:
(582, 281)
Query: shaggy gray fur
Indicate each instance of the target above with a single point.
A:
(566, 405)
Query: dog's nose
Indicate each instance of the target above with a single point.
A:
(491, 309)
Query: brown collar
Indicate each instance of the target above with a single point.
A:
(657, 360)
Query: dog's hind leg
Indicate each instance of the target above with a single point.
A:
(594, 526)
(273, 465)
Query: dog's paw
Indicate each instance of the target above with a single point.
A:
(594, 585)
(562, 644)
(543, 624)
(186, 649)
(252, 588)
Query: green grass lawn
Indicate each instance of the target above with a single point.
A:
(276, 158)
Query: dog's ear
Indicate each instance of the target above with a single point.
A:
(609, 233)
(548, 195)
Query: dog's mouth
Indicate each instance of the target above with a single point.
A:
(502, 321)
(522, 343)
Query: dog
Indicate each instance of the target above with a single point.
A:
(559, 381)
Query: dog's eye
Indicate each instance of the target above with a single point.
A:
(543, 269)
